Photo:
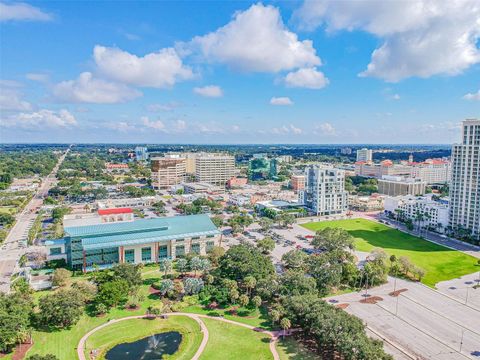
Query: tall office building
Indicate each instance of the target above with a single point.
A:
(214, 168)
(324, 192)
(141, 153)
(465, 181)
(168, 171)
(364, 155)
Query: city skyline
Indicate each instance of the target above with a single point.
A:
(241, 73)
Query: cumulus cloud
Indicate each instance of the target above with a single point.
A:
(88, 89)
(121, 126)
(162, 107)
(281, 101)
(11, 98)
(472, 96)
(284, 130)
(209, 91)
(40, 119)
(152, 124)
(256, 40)
(421, 38)
(325, 129)
(309, 78)
(22, 12)
(37, 77)
(159, 70)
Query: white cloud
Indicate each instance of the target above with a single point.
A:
(420, 38)
(22, 11)
(88, 89)
(284, 130)
(472, 96)
(209, 91)
(40, 119)
(395, 97)
(309, 78)
(256, 40)
(159, 70)
(121, 126)
(180, 125)
(281, 101)
(152, 124)
(162, 107)
(11, 99)
(37, 77)
(325, 129)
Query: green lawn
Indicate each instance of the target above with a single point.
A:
(132, 330)
(257, 318)
(228, 341)
(290, 349)
(439, 262)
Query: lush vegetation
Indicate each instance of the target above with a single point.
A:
(361, 185)
(438, 262)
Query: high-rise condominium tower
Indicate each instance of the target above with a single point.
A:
(465, 183)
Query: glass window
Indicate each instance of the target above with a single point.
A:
(130, 256)
(147, 254)
(210, 245)
(162, 251)
(55, 251)
(180, 250)
(196, 248)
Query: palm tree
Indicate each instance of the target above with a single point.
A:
(250, 283)
(285, 324)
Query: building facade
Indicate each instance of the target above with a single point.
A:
(168, 171)
(364, 155)
(297, 182)
(214, 168)
(324, 192)
(260, 167)
(465, 182)
(421, 209)
(397, 185)
(139, 241)
(141, 153)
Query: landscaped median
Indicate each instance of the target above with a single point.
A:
(440, 263)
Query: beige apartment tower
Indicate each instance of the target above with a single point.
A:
(465, 181)
(168, 171)
(214, 168)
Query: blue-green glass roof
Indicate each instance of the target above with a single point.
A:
(142, 231)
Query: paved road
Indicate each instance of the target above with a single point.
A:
(15, 243)
(421, 320)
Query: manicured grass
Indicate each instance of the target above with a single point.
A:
(257, 318)
(228, 341)
(8, 210)
(290, 349)
(135, 329)
(440, 263)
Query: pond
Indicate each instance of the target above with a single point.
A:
(149, 348)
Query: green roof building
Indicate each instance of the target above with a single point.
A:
(139, 241)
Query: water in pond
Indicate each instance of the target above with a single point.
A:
(149, 348)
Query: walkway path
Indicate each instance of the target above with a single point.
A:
(274, 335)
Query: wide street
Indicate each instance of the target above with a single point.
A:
(15, 244)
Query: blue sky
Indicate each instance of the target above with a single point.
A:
(238, 72)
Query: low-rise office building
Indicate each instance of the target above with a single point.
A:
(203, 188)
(139, 241)
(168, 171)
(397, 185)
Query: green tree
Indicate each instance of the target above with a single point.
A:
(196, 264)
(112, 293)
(166, 286)
(243, 300)
(182, 265)
(295, 259)
(42, 357)
(86, 289)
(131, 273)
(15, 313)
(294, 282)
(257, 301)
(61, 309)
(285, 325)
(249, 282)
(60, 277)
(217, 221)
(165, 266)
(266, 245)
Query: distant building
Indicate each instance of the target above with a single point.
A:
(141, 153)
(297, 182)
(372, 202)
(203, 188)
(421, 209)
(364, 155)
(432, 171)
(116, 167)
(99, 217)
(168, 171)
(214, 168)
(284, 158)
(324, 192)
(397, 185)
(139, 241)
(385, 167)
(235, 182)
(262, 168)
(346, 151)
(465, 183)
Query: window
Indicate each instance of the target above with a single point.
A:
(210, 236)
(210, 245)
(163, 252)
(196, 248)
(195, 237)
(130, 256)
(180, 250)
(55, 251)
(146, 254)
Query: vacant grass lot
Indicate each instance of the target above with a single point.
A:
(135, 329)
(228, 341)
(439, 262)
